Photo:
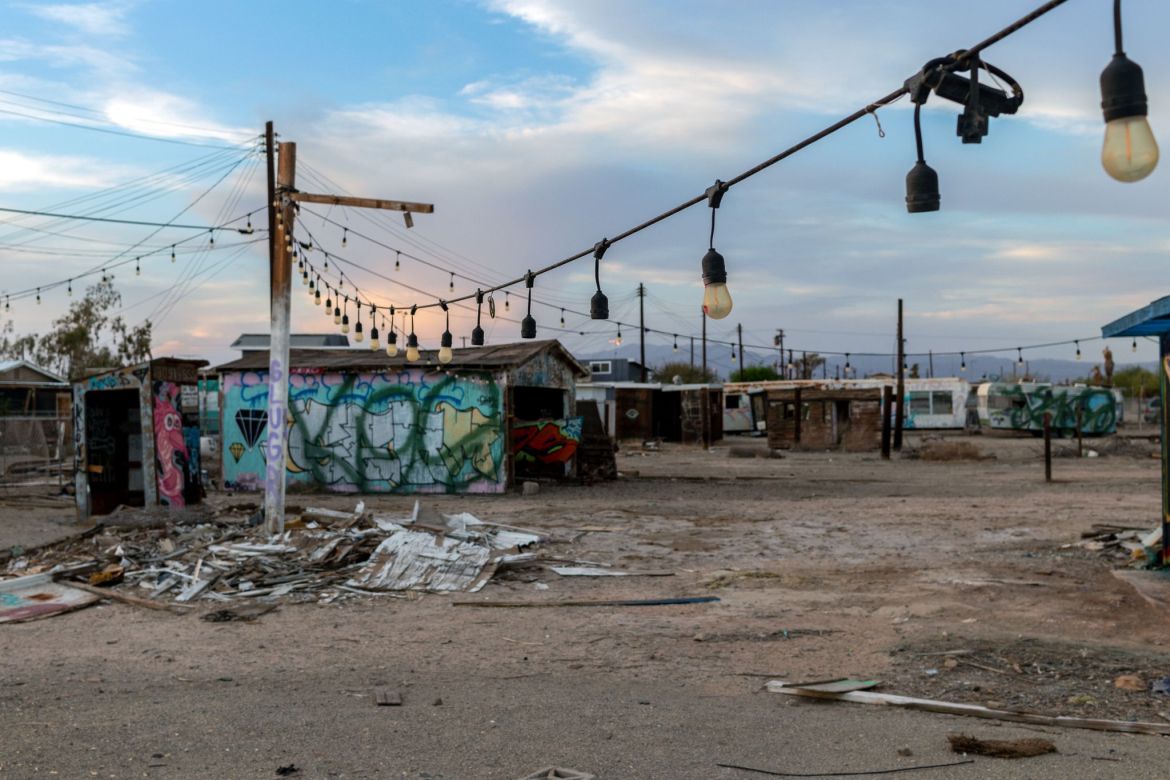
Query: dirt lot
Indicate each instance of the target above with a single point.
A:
(946, 579)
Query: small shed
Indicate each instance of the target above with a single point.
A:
(136, 437)
(1154, 320)
(362, 421)
(35, 417)
(632, 410)
(825, 417)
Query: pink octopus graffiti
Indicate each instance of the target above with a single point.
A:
(170, 447)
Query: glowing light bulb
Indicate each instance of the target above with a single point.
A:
(716, 298)
(392, 345)
(412, 353)
(1130, 152)
(446, 355)
(345, 324)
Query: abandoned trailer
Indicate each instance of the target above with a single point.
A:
(362, 421)
(136, 437)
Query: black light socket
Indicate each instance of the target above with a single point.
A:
(714, 269)
(1123, 89)
(528, 327)
(445, 339)
(599, 306)
(477, 337)
(922, 189)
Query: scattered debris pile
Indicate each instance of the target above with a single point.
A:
(1133, 543)
(322, 555)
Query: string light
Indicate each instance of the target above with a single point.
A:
(412, 354)
(70, 288)
(506, 306)
(528, 324)
(599, 304)
(675, 349)
(618, 341)
(358, 336)
(1129, 152)
(451, 286)
(344, 238)
(397, 260)
(445, 353)
(211, 237)
(562, 318)
(391, 337)
(922, 180)
(1133, 347)
(137, 267)
(38, 296)
(345, 315)
(374, 341)
(848, 367)
(1019, 357)
(962, 361)
(716, 298)
(172, 253)
(477, 332)
(337, 311)
(1078, 343)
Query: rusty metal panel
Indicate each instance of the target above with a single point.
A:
(635, 412)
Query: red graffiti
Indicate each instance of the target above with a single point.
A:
(546, 441)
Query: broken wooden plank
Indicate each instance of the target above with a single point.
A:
(591, 603)
(972, 710)
(126, 598)
(597, 571)
(1026, 747)
(387, 697)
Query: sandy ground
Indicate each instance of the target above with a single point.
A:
(826, 565)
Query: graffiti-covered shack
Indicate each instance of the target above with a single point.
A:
(361, 421)
(136, 437)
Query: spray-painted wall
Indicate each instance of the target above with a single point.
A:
(1021, 407)
(405, 431)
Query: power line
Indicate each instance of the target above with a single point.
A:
(115, 221)
(123, 133)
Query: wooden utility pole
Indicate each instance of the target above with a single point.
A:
(282, 199)
(692, 351)
(1047, 446)
(739, 339)
(899, 409)
(642, 328)
(704, 316)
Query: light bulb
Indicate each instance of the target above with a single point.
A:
(392, 349)
(345, 324)
(412, 353)
(716, 298)
(446, 355)
(336, 315)
(374, 342)
(1130, 152)
(357, 333)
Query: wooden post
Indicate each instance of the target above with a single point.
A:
(739, 337)
(280, 299)
(899, 411)
(704, 317)
(1048, 446)
(887, 403)
(705, 399)
(1080, 430)
(797, 413)
(1164, 388)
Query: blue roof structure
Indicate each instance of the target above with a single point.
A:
(1152, 320)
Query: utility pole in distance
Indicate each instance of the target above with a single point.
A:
(692, 351)
(282, 199)
(739, 338)
(642, 327)
(704, 316)
(899, 411)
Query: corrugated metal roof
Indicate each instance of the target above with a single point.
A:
(496, 356)
(251, 341)
(1151, 320)
(50, 377)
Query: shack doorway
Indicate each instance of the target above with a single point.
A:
(113, 436)
(539, 403)
(668, 413)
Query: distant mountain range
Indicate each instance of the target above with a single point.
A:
(978, 367)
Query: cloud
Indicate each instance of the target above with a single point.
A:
(97, 19)
(24, 172)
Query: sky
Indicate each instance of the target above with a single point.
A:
(538, 127)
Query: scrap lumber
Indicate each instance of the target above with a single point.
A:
(774, 773)
(126, 598)
(591, 603)
(1026, 747)
(972, 710)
